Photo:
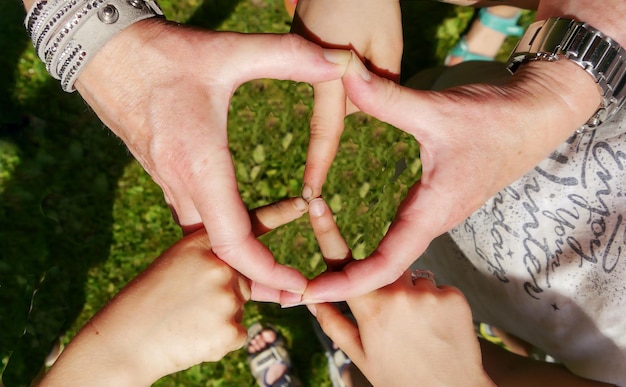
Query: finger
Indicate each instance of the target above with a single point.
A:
(327, 126)
(282, 56)
(334, 248)
(386, 60)
(191, 169)
(355, 279)
(327, 123)
(384, 99)
(172, 201)
(242, 289)
(263, 293)
(341, 331)
(271, 216)
(211, 182)
(265, 219)
(400, 247)
(252, 259)
(230, 232)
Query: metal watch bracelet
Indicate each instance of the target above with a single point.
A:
(600, 56)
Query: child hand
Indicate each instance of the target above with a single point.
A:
(184, 309)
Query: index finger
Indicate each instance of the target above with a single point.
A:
(327, 124)
(334, 248)
(229, 227)
(271, 216)
(407, 238)
(265, 219)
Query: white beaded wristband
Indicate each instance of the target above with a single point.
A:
(68, 33)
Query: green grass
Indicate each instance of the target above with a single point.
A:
(79, 217)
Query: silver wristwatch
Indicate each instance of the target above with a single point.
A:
(600, 56)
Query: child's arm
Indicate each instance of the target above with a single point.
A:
(184, 309)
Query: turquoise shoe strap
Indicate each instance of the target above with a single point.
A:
(461, 50)
(507, 26)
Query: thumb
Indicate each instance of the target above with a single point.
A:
(384, 99)
(285, 57)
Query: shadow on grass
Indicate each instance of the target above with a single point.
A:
(56, 207)
(212, 13)
(420, 22)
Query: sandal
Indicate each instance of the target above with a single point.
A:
(272, 354)
(486, 332)
(506, 26)
(337, 359)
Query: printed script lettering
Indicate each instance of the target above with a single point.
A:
(571, 212)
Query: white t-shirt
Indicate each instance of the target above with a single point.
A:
(545, 259)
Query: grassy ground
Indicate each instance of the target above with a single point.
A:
(79, 218)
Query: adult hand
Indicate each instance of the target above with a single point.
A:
(373, 30)
(474, 140)
(165, 90)
(184, 309)
(427, 327)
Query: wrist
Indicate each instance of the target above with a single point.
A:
(607, 17)
(93, 358)
(127, 44)
(566, 39)
(563, 94)
(68, 34)
(105, 87)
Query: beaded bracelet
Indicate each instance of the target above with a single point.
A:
(66, 34)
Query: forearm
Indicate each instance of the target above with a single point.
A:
(93, 359)
(508, 369)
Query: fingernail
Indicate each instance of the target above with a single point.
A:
(300, 204)
(300, 303)
(340, 57)
(317, 207)
(290, 305)
(312, 309)
(358, 66)
(290, 298)
(307, 193)
(308, 301)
